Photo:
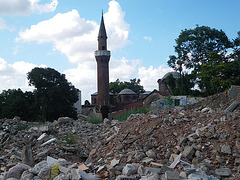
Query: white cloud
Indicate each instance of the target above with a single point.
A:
(13, 76)
(148, 38)
(2, 24)
(71, 35)
(116, 26)
(123, 69)
(44, 8)
(14, 7)
(76, 37)
(150, 76)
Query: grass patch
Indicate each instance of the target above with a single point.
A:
(20, 126)
(95, 120)
(126, 114)
(69, 139)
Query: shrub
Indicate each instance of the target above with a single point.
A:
(126, 114)
(20, 126)
(95, 120)
(69, 139)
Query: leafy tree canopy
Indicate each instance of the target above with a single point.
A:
(54, 94)
(203, 51)
(134, 85)
(14, 102)
(194, 45)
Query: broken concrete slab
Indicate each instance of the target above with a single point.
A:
(188, 152)
(130, 169)
(16, 171)
(224, 172)
(172, 175)
(27, 156)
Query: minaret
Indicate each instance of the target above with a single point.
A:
(102, 56)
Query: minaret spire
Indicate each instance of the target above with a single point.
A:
(102, 31)
(102, 56)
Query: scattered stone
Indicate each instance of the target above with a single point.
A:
(27, 175)
(114, 162)
(27, 156)
(151, 154)
(225, 172)
(16, 171)
(232, 106)
(188, 152)
(172, 175)
(107, 121)
(64, 120)
(226, 149)
(200, 138)
(130, 169)
(36, 169)
(45, 173)
(75, 174)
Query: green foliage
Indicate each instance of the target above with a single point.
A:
(203, 51)
(95, 120)
(16, 103)
(169, 101)
(20, 126)
(54, 95)
(126, 114)
(134, 85)
(69, 139)
(182, 85)
(217, 75)
(194, 45)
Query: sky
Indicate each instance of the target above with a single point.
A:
(62, 34)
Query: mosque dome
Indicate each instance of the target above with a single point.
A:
(127, 91)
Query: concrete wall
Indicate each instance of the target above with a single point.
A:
(234, 91)
(78, 104)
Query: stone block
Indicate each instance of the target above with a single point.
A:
(188, 152)
(172, 175)
(226, 149)
(16, 171)
(151, 154)
(130, 169)
(225, 172)
(45, 173)
(27, 156)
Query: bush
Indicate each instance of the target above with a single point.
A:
(20, 126)
(95, 120)
(69, 139)
(126, 114)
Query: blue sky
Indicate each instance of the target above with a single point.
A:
(63, 35)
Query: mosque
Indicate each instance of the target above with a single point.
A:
(107, 102)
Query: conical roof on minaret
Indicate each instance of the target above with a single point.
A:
(102, 31)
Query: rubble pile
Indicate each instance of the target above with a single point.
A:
(198, 143)
(217, 102)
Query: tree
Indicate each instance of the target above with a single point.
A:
(134, 85)
(194, 45)
(54, 95)
(182, 85)
(14, 103)
(203, 51)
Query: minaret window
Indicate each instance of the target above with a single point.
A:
(103, 48)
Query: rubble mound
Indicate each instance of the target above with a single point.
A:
(199, 142)
(217, 102)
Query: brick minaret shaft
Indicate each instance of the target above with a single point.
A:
(102, 56)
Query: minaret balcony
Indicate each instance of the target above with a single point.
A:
(102, 53)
